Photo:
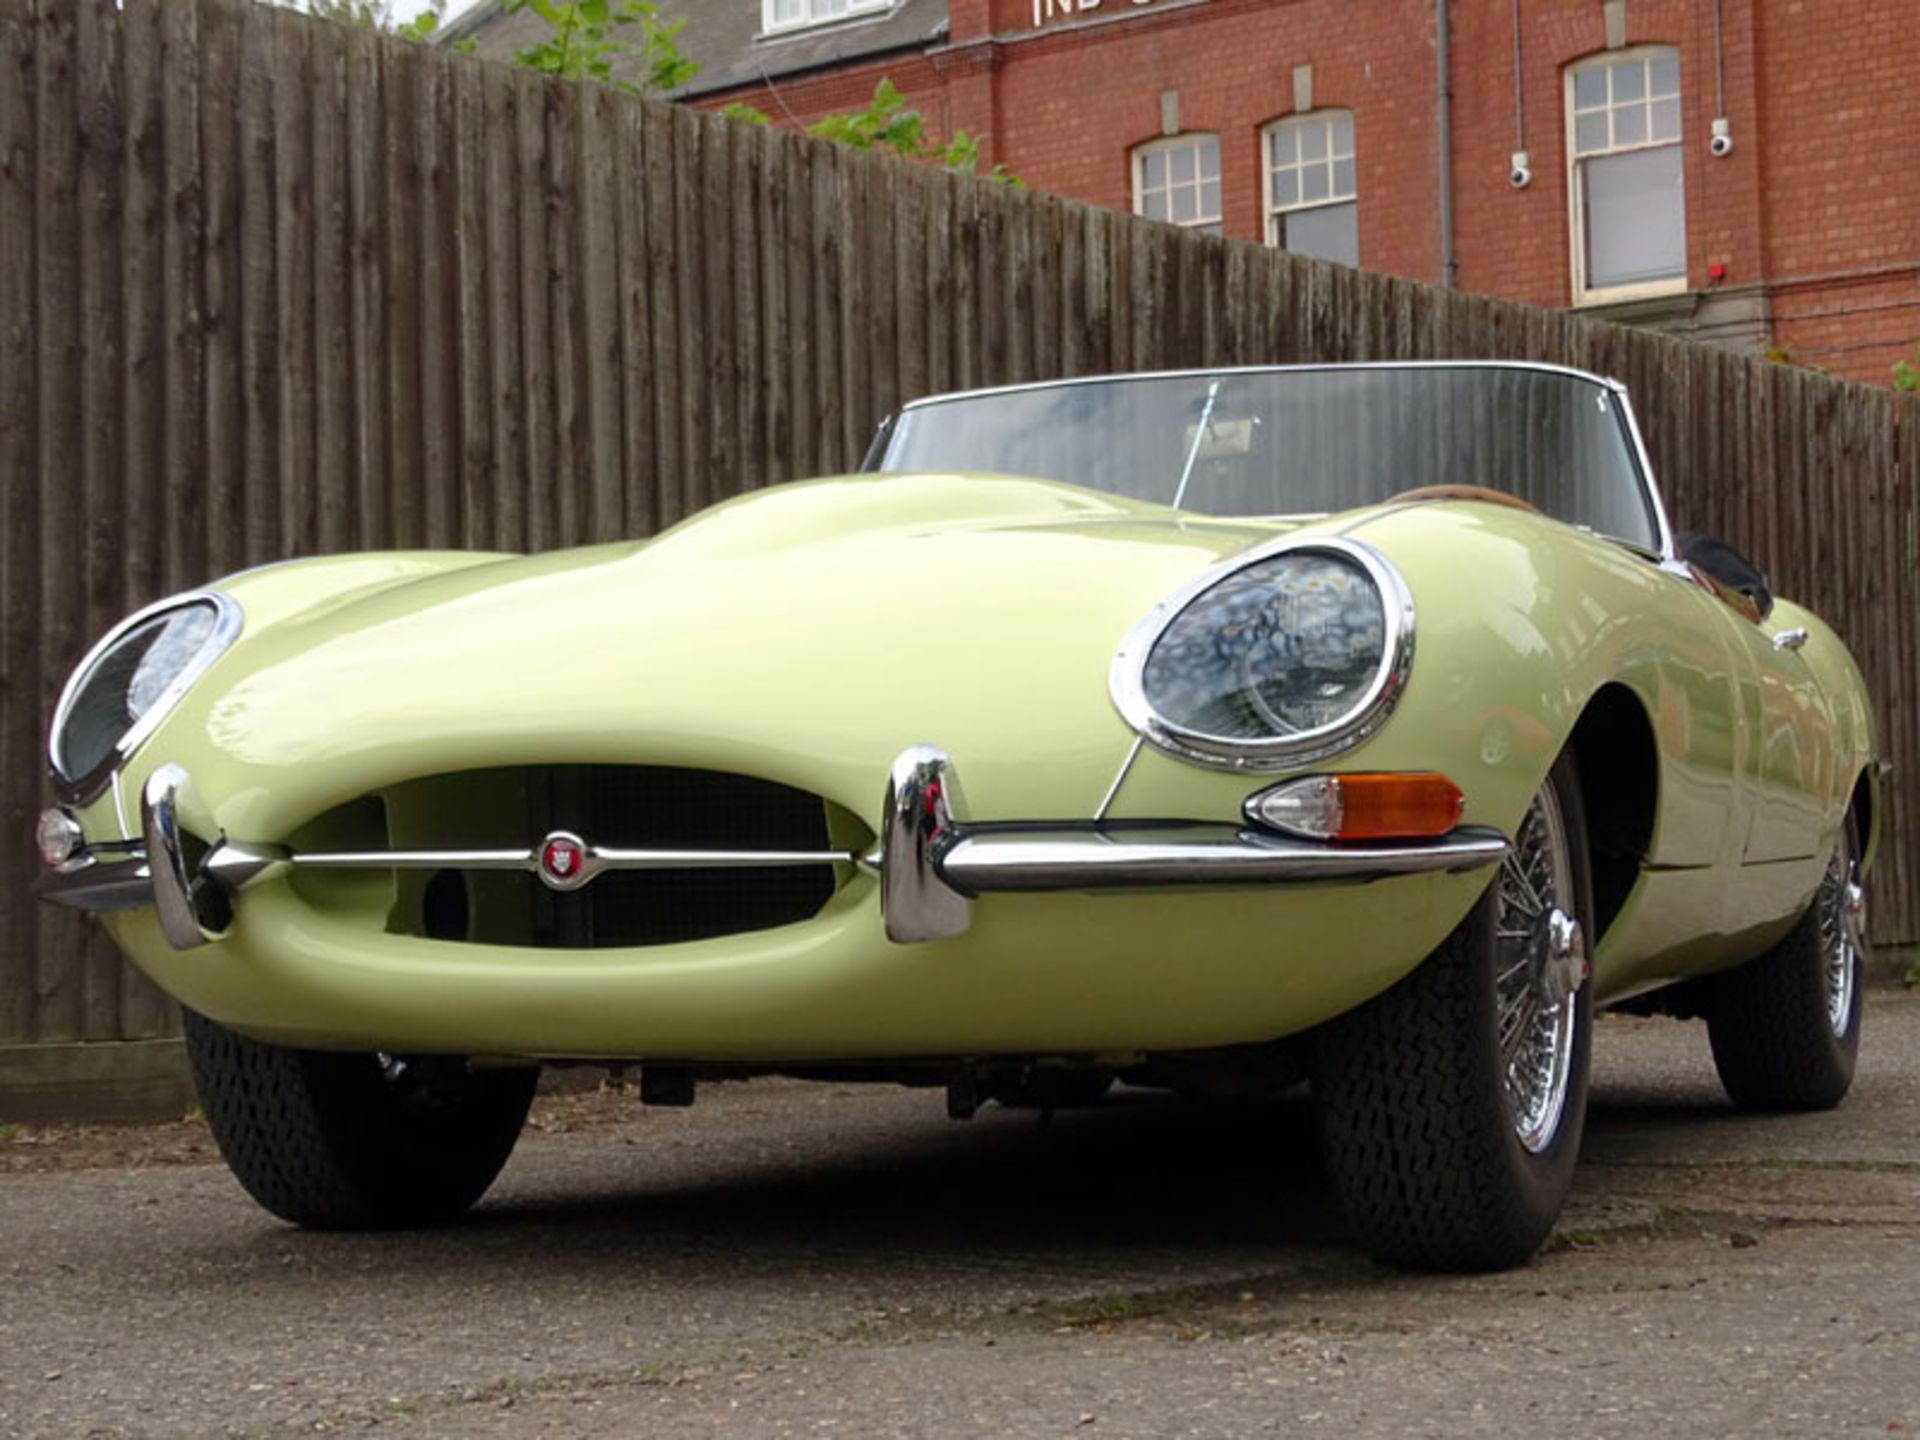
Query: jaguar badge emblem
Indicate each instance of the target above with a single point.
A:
(563, 861)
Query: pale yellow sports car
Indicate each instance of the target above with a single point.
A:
(1359, 726)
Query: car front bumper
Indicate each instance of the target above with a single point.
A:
(931, 864)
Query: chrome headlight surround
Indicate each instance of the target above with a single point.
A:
(227, 620)
(1127, 677)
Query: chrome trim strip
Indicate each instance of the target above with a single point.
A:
(1119, 779)
(1126, 681)
(1668, 553)
(917, 824)
(1229, 370)
(98, 887)
(595, 859)
(1027, 860)
(229, 620)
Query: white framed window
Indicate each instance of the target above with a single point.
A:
(779, 15)
(1178, 180)
(1626, 188)
(1312, 194)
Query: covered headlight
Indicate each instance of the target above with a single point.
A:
(129, 681)
(1280, 659)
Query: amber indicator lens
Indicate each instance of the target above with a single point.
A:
(1388, 807)
(1360, 807)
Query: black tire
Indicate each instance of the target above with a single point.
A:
(355, 1142)
(1420, 1137)
(1785, 1028)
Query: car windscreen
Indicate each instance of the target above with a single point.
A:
(1290, 442)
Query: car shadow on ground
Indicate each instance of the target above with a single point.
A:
(1145, 1178)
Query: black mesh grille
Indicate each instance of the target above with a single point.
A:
(627, 807)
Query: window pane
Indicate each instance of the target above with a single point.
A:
(1286, 188)
(1343, 177)
(1210, 197)
(1180, 165)
(1630, 125)
(1313, 183)
(1590, 132)
(1210, 160)
(1636, 217)
(1313, 141)
(1153, 204)
(1283, 146)
(1153, 170)
(1342, 132)
(1629, 80)
(1665, 71)
(1666, 119)
(1330, 232)
(1183, 206)
(1589, 89)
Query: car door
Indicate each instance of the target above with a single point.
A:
(1787, 742)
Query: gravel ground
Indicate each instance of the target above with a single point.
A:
(788, 1259)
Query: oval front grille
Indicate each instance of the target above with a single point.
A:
(634, 807)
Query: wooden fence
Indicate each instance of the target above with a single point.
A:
(272, 288)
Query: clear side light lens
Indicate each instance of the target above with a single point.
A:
(59, 837)
(1309, 808)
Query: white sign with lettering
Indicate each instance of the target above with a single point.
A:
(1045, 10)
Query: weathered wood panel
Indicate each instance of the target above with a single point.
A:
(269, 287)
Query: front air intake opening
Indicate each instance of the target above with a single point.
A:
(610, 807)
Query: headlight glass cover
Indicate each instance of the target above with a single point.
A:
(130, 680)
(1281, 660)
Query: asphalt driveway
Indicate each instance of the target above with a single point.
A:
(787, 1259)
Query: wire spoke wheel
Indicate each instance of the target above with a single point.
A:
(1451, 1106)
(1539, 972)
(1841, 909)
(1785, 1026)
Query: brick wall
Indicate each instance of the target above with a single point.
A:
(1813, 220)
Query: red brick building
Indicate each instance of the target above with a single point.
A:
(1743, 171)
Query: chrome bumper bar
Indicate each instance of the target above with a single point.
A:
(932, 864)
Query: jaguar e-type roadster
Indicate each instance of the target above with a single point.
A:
(1357, 726)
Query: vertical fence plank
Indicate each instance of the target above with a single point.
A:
(746, 181)
(293, 282)
(439, 338)
(58, 990)
(95, 522)
(639, 478)
(335, 522)
(224, 518)
(505, 198)
(366, 304)
(22, 691)
(182, 240)
(259, 286)
(716, 346)
(472, 290)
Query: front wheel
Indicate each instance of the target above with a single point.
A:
(355, 1142)
(1451, 1107)
(1785, 1028)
